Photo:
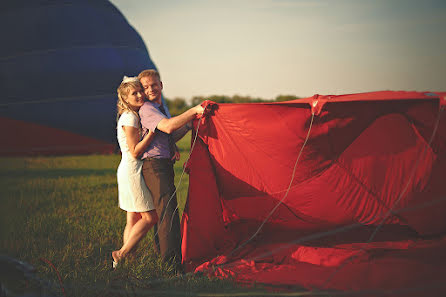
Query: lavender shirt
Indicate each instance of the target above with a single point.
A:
(150, 117)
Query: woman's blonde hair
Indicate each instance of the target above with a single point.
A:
(123, 92)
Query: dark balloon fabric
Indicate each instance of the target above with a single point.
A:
(339, 193)
(60, 65)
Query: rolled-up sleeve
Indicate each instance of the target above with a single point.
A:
(150, 116)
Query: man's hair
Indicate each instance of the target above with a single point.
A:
(149, 72)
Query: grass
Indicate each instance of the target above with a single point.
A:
(61, 215)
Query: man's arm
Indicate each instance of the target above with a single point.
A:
(178, 134)
(169, 125)
(150, 116)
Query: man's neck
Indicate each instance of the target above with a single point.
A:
(158, 101)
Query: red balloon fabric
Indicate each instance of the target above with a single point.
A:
(339, 193)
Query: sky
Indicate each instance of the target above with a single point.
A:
(266, 48)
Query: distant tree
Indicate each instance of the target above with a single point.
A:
(215, 98)
(259, 100)
(220, 99)
(197, 100)
(246, 99)
(176, 106)
(286, 97)
(238, 99)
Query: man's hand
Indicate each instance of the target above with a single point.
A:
(199, 109)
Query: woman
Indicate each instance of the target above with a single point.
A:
(134, 196)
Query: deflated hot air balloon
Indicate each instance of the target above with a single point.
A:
(60, 65)
(342, 193)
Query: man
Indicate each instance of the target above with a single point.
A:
(158, 164)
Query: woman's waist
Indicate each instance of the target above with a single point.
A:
(130, 159)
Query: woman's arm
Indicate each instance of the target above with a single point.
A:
(137, 147)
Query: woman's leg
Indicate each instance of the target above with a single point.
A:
(132, 219)
(137, 232)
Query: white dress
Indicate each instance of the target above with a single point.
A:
(134, 196)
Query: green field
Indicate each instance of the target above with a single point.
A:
(61, 215)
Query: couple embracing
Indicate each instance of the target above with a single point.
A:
(147, 136)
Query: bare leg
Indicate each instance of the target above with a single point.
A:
(137, 232)
(132, 219)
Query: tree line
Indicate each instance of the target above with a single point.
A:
(179, 105)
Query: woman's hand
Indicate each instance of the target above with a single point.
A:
(134, 142)
(176, 156)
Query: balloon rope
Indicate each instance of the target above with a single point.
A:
(57, 272)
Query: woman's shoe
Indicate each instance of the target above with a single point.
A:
(115, 257)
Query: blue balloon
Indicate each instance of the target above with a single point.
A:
(60, 65)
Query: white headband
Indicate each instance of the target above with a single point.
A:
(127, 79)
